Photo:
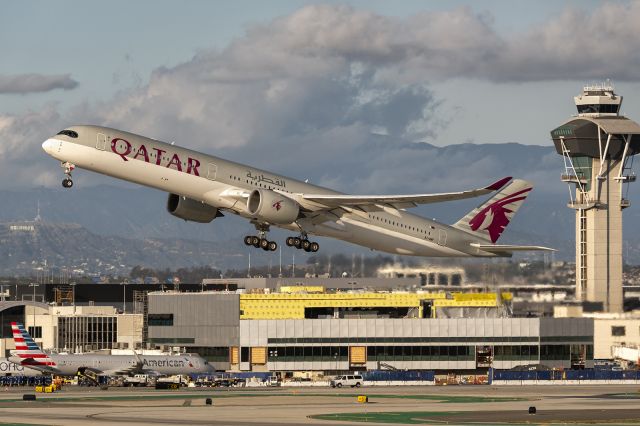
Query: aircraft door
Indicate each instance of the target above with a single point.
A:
(442, 237)
(101, 141)
(211, 171)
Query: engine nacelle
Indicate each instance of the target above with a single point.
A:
(271, 207)
(190, 209)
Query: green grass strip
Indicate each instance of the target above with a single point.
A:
(444, 417)
(446, 399)
(178, 395)
(405, 418)
(19, 424)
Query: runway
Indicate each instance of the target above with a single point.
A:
(460, 405)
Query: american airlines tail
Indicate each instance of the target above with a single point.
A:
(27, 350)
(490, 219)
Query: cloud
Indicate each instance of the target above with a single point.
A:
(338, 95)
(577, 45)
(33, 83)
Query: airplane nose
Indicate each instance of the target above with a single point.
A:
(48, 145)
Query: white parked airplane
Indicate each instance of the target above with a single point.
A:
(28, 354)
(8, 368)
(201, 187)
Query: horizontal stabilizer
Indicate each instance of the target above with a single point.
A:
(507, 248)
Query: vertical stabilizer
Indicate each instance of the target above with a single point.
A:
(27, 350)
(490, 219)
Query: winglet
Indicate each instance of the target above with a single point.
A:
(499, 184)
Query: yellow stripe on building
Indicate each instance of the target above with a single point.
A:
(293, 305)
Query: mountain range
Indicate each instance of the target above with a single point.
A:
(127, 225)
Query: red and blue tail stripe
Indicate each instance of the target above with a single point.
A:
(27, 348)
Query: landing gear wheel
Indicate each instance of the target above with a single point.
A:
(255, 241)
(297, 242)
(68, 168)
(248, 240)
(290, 241)
(264, 244)
(273, 246)
(306, 245)
(314, 247)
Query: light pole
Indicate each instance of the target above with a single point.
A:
(73, 296)
(34, 285)
(124, 297)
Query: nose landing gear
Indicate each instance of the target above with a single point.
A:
(68, 168)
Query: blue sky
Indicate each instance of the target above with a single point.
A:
(236, 77)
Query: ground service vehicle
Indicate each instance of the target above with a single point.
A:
(137, 380)
(347, 380)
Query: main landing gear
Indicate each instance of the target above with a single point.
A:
(261, 241)
(302, 242)
(68, 168)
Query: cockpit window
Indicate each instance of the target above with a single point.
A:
(69, 133)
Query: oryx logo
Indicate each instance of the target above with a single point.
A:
(277, 205)
(495, 217)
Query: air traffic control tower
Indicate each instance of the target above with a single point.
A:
(598, 145)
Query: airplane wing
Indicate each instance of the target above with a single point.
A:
(33, 364)
(131, 371)
(397, 201)
(507, 248)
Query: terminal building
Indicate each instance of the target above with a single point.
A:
(72, 329)
(338, 332)
(344, 325)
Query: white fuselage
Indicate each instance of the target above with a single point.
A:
(9, 368)
(69, 365)
(214, 181)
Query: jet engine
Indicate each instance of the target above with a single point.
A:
(271, 207)
(190, 209)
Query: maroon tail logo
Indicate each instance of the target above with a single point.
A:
(277, 205)
(495, 217)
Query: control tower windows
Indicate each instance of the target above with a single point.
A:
(598, 108)
(69, 133)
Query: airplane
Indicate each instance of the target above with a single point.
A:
(8, 368)
(28, 354)
(203, 187)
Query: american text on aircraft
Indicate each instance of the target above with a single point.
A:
(163, 363)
